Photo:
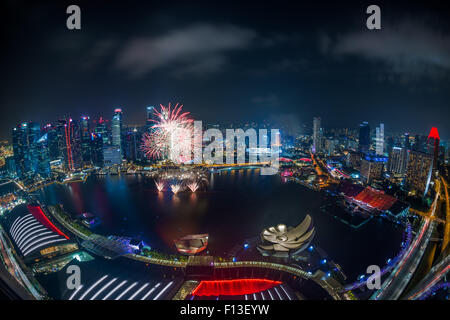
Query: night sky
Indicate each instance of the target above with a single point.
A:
(251, 60)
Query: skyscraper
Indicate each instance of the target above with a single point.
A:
(71, 144)
(132, 139)
(364, 137)
(116, 128)
(150, 118)
(97, 149)
(101, 129)
(25, 147)
(433, 145)
(398, 161)
(372, 167)
(379, 140)
(20, 149)
(316, 147)
(43, 157)
(418, 174)
(85, 140)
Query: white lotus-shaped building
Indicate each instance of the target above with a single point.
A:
(287, 240)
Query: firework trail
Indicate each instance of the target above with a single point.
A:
(193, 186)
(175, 188)
(170, 136)
(159, 185)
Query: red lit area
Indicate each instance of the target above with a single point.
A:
(287, 173)
(235, 287)
(434, 133)
(375, 199)
(37, 212)
(285, 160)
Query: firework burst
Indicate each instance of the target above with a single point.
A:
(193, 186)
(159, 185)
(170, 136)
(175, 188)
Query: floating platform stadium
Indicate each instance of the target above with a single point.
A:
(371, 201)
(192, 244)
(283, 241)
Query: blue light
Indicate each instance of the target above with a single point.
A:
(246, 245)
(328, 274)
(234, 259)
(310, 248)
(324, 261)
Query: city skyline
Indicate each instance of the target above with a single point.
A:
(225, 151)
(304, 68)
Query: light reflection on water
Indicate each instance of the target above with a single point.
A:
(236, 205)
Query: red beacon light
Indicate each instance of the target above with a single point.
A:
(434, 133)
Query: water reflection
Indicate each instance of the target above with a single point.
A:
(235, 205)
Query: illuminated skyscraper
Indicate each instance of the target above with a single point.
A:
(116, 128)
(418, 174)
(433, 145)
(150, 117)
(372, 167)
(85, 140)
(30, 150)
(20, 149)
(398, 161)
(70, 144)
(317, 139)
(97, 149)
(101, 129)
(132, 140)
(364, 137)
(379, 140)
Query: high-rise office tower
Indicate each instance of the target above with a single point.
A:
(433, 145)
(52, 143)
(316, 147)
(372, 167)
(151, 117)
(418, 174)
(97, 149)
(132, 139)
(420, 143)
(398, 161)
(85, 140)
(101, 129)
(364, 137)
(406, 142)
(43, 157)
(25, 147)
(71, 144)
(20, 149)
(379, 140)
(116, 128)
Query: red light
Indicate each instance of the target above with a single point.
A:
(118, 110)
(42, 218)
(235, 287)
(434, 134)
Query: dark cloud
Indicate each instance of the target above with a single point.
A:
(201, 48)
(269, 100)
(409, 50)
